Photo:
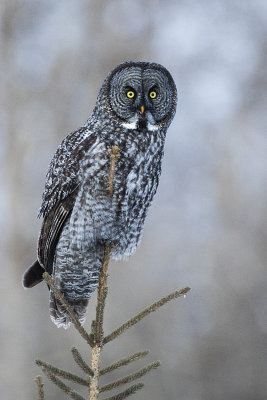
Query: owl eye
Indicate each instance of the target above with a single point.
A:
(153, 94)
(130, 94)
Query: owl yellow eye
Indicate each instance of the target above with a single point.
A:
(130, 94)
(153, 94)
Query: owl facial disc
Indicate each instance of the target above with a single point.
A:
(142, 96)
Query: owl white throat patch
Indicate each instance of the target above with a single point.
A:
(147, 123)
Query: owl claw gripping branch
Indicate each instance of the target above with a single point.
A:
(134, 109)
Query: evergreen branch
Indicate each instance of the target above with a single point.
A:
(97, 330)
(97, 325)
(58, 382)
(96, 338)
(131, 377)
(144, 313)
(101, 298)
(80, 361)
(93, 327)
(126, 393)
(60, 297)
(124, 361)
(40, 386)
(63, 374)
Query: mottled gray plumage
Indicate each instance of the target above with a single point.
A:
(134, 108)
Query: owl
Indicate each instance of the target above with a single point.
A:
(133, 111)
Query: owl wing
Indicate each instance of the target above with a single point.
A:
(61, 187)
(51, 229)
(62, 175)
(48, 239)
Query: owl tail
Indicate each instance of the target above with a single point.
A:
(60, 316)
(33, 275)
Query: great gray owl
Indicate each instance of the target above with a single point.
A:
(134, 108)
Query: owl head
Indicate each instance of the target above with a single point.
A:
(140, 95)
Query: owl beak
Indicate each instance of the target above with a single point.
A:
(142, 108)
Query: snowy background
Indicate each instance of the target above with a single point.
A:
(207, 227)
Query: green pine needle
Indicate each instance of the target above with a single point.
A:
(58, 382)
(130, 378)
(145, 312)
(128, 392)
(124, 361)
(80, 362)
(63, 374)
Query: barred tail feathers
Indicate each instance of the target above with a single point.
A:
(61, 317)
(76, 283)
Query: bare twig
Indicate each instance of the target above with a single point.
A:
(94, 382)
(114, 156)
(101, 298)
(124, 361)
(40, 386)
(146, 311)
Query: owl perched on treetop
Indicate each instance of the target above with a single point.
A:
(134, 109)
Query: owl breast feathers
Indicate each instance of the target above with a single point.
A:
(134, 109)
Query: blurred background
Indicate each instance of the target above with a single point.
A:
(207, 227)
